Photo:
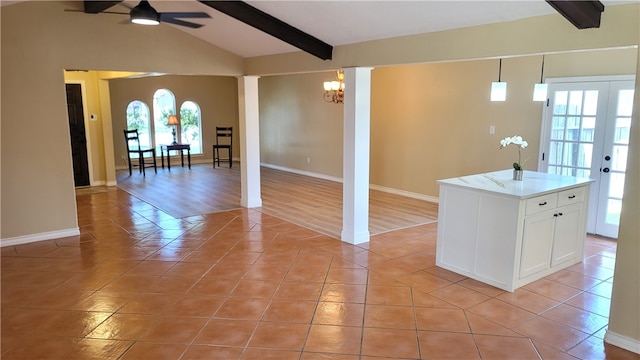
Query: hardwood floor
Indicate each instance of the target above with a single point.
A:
(306, 201)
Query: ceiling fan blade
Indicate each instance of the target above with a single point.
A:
(185, 15)
(114, 13)
(180, 22)
(104, 12)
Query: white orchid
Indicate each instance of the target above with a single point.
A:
(520, 143)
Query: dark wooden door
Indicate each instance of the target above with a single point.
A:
(78, 135)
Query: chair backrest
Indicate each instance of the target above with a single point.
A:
(224, 135)
(132, 139)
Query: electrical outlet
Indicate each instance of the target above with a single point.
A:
(308, 160)
(492, 129)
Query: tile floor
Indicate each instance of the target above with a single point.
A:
(139, 284)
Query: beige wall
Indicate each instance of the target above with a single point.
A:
(537, 35)
(624, 318)
(217, 97)
(428, 121)
(296, 124)
(39, 40)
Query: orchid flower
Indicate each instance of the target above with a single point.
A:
(520, 143)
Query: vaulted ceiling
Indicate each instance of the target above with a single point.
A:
(331, 23)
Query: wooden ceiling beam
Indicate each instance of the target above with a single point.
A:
(96, 7)
(582, 14)
(266, 23)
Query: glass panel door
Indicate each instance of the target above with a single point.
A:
(614, 160)
(586, 134)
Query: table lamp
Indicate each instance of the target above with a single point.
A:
(173, 120)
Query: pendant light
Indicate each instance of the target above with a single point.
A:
(499, 88)
(540, 89)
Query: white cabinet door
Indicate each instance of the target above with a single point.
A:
(536, 243)
(567, 234)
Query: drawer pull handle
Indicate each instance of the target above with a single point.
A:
(543, 203)
(572, 197)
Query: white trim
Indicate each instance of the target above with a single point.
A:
(49, 235)
(112, 183)
(622, 341)
(579, 79)
(87, 127)
(405, 193)
(302, 172)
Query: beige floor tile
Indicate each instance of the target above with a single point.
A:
(396, 343)
(279, 336)
(460, 296)
(437, 319)
(390, 317)
(241, 284)
(494, 347)
(334, 339)
(447, 345)
(551, 333)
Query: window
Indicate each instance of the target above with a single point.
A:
(138, 118)
(164, 104)
(190, 128)
(156, 133)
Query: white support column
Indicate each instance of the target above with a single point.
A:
(249, 141)
(355, 187)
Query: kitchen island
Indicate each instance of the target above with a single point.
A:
(508, 233)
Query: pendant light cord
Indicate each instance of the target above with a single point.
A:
(500, 71)
(542, 70)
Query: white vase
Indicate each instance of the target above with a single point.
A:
(517, 174)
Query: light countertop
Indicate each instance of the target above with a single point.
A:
(532, 184)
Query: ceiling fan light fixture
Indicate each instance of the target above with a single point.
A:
(144, 14)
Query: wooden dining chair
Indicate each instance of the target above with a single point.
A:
(224, 141)
(132, 139)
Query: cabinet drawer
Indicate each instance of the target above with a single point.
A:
(571, 196)
(540, 203)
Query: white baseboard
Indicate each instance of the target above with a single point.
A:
(371, 186)
(622, 341)
(405, 193)
(49, 235)
(302, 172)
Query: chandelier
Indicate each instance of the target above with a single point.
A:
(334, 90)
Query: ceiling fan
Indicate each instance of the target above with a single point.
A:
(145, 14)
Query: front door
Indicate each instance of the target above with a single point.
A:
(78, 135)
(586, 134)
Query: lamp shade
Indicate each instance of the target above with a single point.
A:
(144, 14)
(173, 120)
(327, 86)
(540, 92)
(498, 91)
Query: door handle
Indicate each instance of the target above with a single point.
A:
(607, 157)
(605, 170)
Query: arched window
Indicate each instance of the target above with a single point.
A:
(164, 104)
(190, 128)
(138, 118)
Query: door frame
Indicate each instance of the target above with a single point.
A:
(544, 127)
(87, 129)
